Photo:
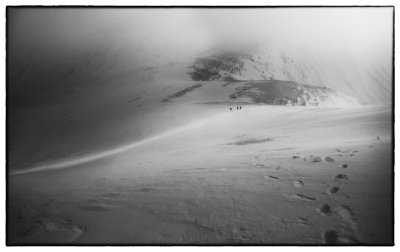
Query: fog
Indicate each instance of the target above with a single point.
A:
(346, 30)
(334, 32)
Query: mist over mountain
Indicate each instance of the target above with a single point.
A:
(80, 47)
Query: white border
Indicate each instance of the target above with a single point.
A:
(5, 3)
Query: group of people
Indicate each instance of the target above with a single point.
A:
(237, 108)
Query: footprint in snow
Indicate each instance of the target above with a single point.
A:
(325, 210)
(313, 159)
(304, 222)
(341, 177)
(332, 190)
(303, 197)
(258, 165)
(271, 177)
(316, 159)
(333, 237)
(346, 213)
(298, 183)
(330, 237)
(344, 166)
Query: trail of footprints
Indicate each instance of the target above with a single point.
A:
(333, 236)
(344, 212)
(342, 236)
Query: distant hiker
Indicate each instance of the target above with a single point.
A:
(230, 109)
(237, 108)
(240, 107)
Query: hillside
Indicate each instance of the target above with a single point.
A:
(109, 97)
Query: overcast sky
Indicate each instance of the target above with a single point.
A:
(351, 32)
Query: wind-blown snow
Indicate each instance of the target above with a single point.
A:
(60, 164)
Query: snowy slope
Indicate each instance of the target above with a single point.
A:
(240, 177)
(114, 94)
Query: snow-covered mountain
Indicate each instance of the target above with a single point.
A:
(368, 84)
(115, 93)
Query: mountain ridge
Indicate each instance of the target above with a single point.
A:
(367, 84)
